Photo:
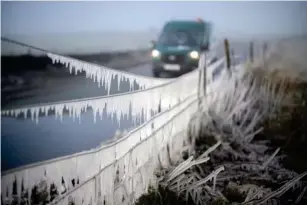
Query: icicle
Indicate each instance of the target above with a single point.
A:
(87, 164)
(98, 73)
(166, 96)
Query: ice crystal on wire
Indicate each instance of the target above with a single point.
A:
(103, 75)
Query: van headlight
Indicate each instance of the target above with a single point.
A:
(194, 54)
(155, 53)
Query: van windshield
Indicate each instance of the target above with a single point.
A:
(180, 38)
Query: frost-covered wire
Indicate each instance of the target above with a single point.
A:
(101, 74)
(138, 103)
(160, 97)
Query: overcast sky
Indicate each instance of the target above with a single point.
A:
(233, 18)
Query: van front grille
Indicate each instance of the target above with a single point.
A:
(173, 59)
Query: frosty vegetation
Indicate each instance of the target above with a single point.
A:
(224, 162)
(228, 123)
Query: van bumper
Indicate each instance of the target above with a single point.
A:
(158, 67)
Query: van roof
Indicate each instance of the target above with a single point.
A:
(183, 24)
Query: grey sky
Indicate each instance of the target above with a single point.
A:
(231, 18)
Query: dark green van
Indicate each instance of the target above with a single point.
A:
(178, 46)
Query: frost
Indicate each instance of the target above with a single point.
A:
(130, 162)
(134, 156)
(213, 175)
(140, 103)
(83, 195)
(103, 75)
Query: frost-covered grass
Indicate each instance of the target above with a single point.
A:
(161, 196)
(248, 145)
(250, 169)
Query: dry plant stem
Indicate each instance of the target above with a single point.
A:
(279, 191)
(175, 172)
(186, 167)
(210, 149)
(209, 177)
(299, 198)
(265, 164)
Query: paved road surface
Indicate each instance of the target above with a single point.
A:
(144, 70)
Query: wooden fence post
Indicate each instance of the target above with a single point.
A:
(205, 74)
(199, 82)
(233, 57)
(264, 51)
(201, 76)
(251, 52)
(227, 55)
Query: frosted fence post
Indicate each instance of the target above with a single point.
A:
(227, 54)
(205, 74)
(264, 51)
(202, 69)
(96, 188)
(199, 81)
(233, 57)
(251, 52)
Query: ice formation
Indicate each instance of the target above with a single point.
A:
(103, 75)
(122, 169)
(96, 169)
(138, 102)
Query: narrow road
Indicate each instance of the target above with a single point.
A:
(144, 70)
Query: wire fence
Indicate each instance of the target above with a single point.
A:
(119, 172)
(20, 185)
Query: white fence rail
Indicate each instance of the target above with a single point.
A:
(83, 167)
(130, 174)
